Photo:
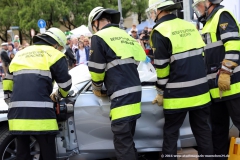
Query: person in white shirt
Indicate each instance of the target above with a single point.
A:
(81, 54)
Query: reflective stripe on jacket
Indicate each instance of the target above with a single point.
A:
(34, 70)
(222, 46)
(114, 61)
(182, 72)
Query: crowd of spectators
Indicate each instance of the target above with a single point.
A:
(143, 38)
(77, 51)
(7, 53)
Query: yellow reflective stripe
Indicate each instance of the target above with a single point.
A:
(32, 125)
(63, 93)
(232, 45)
(96, 77)
(235, 89)
(161, 73)
(7, 85)
(213, 37)
(178, 103)
(125, 111)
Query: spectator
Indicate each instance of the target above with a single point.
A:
(86, 45)
(144, 41)
(4, 46)
(134, 34)
(70, 55)
(74, 45)
(134, 27)
(16, 38)
(82, 54)
(16, 45)
(82, 37)
(68, 40)
(11, 51)
(149, 30)
(5, 61)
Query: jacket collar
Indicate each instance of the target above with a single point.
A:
(165, 18)
(214, 11)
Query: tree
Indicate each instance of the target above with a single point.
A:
(33, 10)
(139, 7)
(8, 17)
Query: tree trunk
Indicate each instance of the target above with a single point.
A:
(139, 18)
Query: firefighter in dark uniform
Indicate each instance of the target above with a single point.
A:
(222, 51)
(113, 61)
(33, 71)
(181, 79)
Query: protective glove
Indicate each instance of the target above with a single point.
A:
(224, 80)
(147, 60)
(158, 100)
(159, 97)
(7, 101)
(100, 93)
(55, 96)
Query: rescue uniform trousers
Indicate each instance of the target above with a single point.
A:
(220, 117)
(123, 140)
(46, 143)
(200, 124)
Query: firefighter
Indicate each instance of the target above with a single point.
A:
(181, 79)
(221, 34)
(31, 111)
(113, 61)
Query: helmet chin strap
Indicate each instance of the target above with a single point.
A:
(97, 27)
(157, 16)
(206, 9)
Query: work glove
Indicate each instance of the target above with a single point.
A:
(97, 90)
(55, 96)
(100, 93)
(7, 101)
(158, 100)
(159, 97)
(224, 79)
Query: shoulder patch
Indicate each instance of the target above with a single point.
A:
(223, 25)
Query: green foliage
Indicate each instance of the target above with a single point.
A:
(139, 7)
(71, 13)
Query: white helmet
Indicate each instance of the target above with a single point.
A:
(163, 5)
(56, 34)
(96, 13)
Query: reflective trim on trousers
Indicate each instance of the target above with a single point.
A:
(187, 83)
(186, 54)
(126, 91)
(31, 104)
(34, 71)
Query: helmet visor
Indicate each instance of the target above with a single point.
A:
(197, 6)
(151, 13)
